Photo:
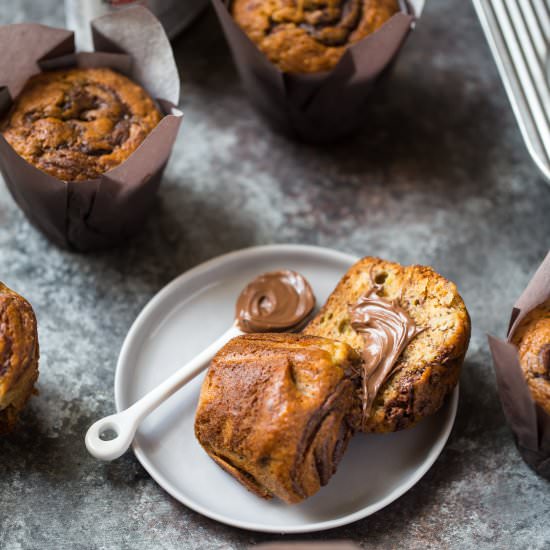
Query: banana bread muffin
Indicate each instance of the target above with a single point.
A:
(79, 123)
(18, 356)
(412, 329)
(532, 337)
(308, 36)
(276, 411)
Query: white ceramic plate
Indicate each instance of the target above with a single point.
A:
(187, 315)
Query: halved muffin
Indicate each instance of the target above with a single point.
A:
(276, 411)
(428, 367)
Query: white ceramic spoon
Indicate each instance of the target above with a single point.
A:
(273, 302)
(124, 424)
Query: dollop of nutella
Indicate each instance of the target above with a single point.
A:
(278, 301)
(387, 330)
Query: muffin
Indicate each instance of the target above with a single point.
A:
(412, 329)
(309, 36)
(18, 356)
(276, 411)
(77, 124)
(532, 338)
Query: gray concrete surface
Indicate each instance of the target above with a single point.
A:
(439, 176)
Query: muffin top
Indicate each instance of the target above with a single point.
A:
(532, 337)
(79, 123)
(308, 36)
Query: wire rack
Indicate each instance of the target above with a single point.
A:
(518, 32)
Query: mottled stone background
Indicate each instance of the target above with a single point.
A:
(440, 175)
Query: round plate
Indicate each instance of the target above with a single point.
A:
(186, 316)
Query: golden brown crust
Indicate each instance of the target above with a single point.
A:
(308, 36)
(276, 411)
(79, 123)
(532, 337)
(429, 367)
(18, 356)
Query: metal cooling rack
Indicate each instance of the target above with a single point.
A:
(518, 32)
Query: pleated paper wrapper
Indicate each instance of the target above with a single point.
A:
(528, 421)
(319, 107)
(104, 211)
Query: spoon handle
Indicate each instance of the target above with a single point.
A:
(125, 423)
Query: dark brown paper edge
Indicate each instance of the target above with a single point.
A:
(300, 104)
(536, 292)
(529, 422)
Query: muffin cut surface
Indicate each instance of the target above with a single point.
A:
(429, 367)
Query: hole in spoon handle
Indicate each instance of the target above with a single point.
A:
(124, 424)
(101, 446)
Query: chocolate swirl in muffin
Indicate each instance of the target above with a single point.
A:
(544, 356)
(328, 21)
(309, 35)
(77, 124)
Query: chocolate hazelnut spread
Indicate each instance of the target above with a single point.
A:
(275, 302)
(387, 330)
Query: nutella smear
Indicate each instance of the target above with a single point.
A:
(387, 330)
(275, 302)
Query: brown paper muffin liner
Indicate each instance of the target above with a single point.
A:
(529, 422)
(104, 211)
(318, 107)
(313, 545)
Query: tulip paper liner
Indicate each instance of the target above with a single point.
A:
(316, 545)
(529, 422)
(104, 211)
(318, 107)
